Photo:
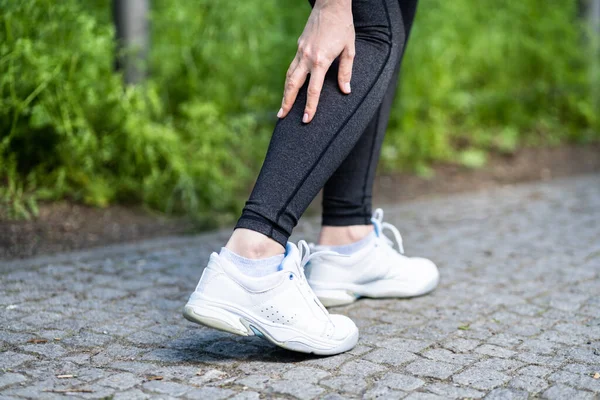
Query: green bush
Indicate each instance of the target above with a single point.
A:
(489, 75)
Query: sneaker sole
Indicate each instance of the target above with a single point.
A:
(218, 316)
(375, 290)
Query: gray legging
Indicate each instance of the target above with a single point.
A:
(339, 150)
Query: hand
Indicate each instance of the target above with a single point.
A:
(329, 33)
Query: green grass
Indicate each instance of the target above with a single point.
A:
(477, 77)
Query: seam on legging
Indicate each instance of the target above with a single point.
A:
(318, 160)
(364, 196)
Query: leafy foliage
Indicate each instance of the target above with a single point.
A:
(494, 74)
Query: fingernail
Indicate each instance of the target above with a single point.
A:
(280, 113)
(305, 118)
(347, 87)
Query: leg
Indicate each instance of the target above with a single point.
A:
(279, 306)
(302, 157)
(347, 195)
(372, 267)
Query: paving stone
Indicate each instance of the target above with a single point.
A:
(360, 350)
(41, 319)
(10, 379)
(41, 389)
(306, 374)
(168, 388)
(401, 344)
(136, 367)
(15, 338)
(561, 392)
(534, 370)
(460, 345)
(146, 338)
(345, 384)
(87, 339)
(277, 368)
(400, 382)
(211, 375)
(453, 391)
(433, 369)
(505, 340)
(361, 368)
(257, 382)
(234, 350)
(328, 363)
(49, 350)
(579, 381)
(539, 346)
(498, 364)
(389, 356)
(584, 369)
(423, 396)
(450, 357)
(296, 388)
(588, 355)
(175, 356)
(84, 374)
(524, 330)
(120, 381)
(494, 351)
(246, 396)
(333, 396)
(479, 378)
(99, 393)
(547, 361)
(209, 393)
(563, 338)
(507, 394)
(589, 331)
(133, 394)
(10, 359)
(530, 384)
(116, 328)
(382, 392)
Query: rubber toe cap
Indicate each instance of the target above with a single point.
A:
(344, 327)
(426, 272)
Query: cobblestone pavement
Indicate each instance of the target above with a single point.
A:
(517, 314)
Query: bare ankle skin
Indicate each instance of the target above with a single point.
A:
(342, 235)
(251, 244)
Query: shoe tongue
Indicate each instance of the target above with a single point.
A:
(291, 261)
(377, 227)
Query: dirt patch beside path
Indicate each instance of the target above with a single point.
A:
(65, 226)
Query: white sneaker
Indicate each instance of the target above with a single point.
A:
(280, 307)
(377, 270)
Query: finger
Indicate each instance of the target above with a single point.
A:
(317, 76)
(293, 83)
(345, 69)
(288, 75)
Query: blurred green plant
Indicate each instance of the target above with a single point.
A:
(490, 75)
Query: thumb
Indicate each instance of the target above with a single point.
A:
(345, 69)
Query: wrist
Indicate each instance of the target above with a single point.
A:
(342, 4)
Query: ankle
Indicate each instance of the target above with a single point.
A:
(343, 235)
(254, 245)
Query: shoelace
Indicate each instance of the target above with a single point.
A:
(377, 220)
(305, 257)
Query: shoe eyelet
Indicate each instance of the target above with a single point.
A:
(291, 276)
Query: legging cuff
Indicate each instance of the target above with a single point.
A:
(262, 225)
